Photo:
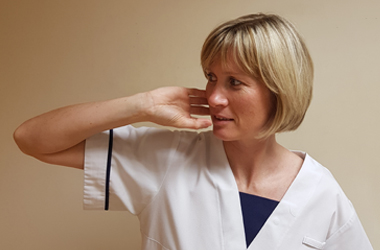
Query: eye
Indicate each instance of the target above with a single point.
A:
(211, 77)
(235, 82)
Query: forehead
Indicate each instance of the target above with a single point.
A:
(228, 65)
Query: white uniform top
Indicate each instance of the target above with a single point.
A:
(182, 189)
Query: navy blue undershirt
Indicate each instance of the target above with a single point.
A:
(256, 210)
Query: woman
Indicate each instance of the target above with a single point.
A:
(231, 188)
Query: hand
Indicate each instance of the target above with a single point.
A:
(173, 106)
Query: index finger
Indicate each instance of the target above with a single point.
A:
(197, 92)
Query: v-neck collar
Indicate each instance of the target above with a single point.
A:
(282, 218)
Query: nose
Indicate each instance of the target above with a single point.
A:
(216, 95)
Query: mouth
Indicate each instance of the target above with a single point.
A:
(221, 118)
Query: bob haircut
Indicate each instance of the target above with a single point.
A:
(269, 49)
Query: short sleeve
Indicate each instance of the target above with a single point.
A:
(350, 236)
(125, 167)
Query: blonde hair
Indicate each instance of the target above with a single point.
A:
(268, 48)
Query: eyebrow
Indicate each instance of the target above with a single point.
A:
(228, 72)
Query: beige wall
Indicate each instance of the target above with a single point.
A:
(55, 53)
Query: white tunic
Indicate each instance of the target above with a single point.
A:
(182, 189)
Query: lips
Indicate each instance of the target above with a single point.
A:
(221, 118)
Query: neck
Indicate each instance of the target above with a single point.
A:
(254, 161)
(251, 155)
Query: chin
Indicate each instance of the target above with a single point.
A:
(224, 135)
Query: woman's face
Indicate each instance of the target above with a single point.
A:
(240, 105)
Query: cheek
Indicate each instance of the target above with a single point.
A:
(245, 107)
(255, 106)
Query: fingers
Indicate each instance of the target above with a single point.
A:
(198, 100)
(199, 110)
(197, 92)
(199, 105)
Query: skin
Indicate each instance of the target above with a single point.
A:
(58, 137)
(239, 106)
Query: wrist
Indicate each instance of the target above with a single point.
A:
(143, 104)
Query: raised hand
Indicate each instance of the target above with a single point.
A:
(174, 106)
(58, 136)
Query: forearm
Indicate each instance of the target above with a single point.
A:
(66, 127)
(54, 136)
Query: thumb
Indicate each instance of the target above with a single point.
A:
(197, 123)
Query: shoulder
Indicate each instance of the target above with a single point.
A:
(327, 185)
(162, 137)
(329, 195)
(129, 132)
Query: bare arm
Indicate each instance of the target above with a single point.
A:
(58, 137)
